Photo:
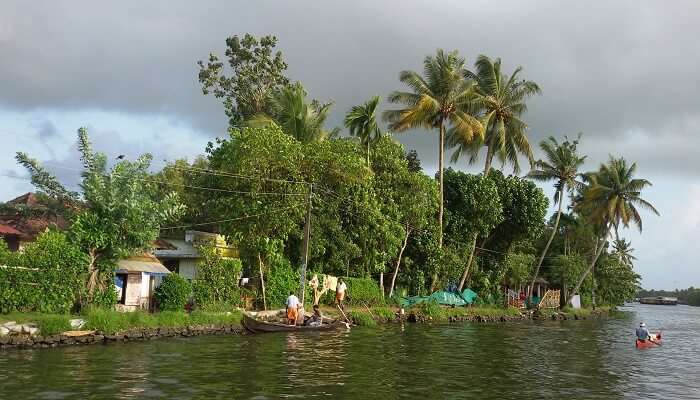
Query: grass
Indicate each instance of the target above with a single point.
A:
(110, 321)
(362, 318)
(384, 313)
(49, 324)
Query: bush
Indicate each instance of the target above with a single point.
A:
(282, 280)
(173, 292)
(217, 279)
(430, 309)
(363, 291)
(48, 276)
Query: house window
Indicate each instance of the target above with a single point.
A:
(172, 265)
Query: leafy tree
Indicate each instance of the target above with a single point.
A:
(119, 215)
(413, 161)
(473, 210)
(612, 199)
(442, 100)
(524, 208)
(408, 199)
(256, 72)
(362, 122)
(561, 166)
(616, 282)
(500, 100)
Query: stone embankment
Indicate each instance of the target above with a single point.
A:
(30, 338)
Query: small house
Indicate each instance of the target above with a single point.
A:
(136, 278)
(11, 236)
(181, 255)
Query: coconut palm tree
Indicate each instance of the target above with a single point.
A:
(441, 99)
(561, 166)
(296, 116)
(362, 122)
(500, 101)
(623, 250)
(613, 199)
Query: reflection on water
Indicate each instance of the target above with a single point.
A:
(566, 359)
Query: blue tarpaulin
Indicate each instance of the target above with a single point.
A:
(442, 297)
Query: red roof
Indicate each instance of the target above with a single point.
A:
(8, 230)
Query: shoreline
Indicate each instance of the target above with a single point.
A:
(363, 318)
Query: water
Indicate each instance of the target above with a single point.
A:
(567, 359)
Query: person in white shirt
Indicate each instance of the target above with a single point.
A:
(292, 309)
(340, 290)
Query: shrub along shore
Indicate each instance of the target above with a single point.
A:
(105, 326)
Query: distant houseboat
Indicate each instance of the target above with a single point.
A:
(664, 301)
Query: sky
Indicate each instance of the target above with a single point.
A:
(623, 73)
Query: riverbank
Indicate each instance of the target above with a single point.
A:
(34, 330)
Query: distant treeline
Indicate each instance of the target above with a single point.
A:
(686, 296)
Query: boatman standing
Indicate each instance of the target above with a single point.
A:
(292, 309)
(643, 332)
(340, 290)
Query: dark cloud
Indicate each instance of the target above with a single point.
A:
(624, 72)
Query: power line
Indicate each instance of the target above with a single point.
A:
(231, 219)
(189, 186)
(231, 174)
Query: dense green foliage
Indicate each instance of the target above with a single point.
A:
(256, 72)
(217, 279)
(47, 276)
(119, 212)
(363, 291)
(173, 292)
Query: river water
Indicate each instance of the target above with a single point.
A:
(527, 360)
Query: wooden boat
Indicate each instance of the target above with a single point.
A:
(648, 343)
(254, 326)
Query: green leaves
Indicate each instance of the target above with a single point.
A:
(173, 292)
(256, 72)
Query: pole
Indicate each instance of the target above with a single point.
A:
(305, 255)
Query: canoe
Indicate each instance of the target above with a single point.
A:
(252, 325)
(648, 343)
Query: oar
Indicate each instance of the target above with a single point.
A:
(341, 311)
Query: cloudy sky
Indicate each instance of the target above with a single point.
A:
(622, 72)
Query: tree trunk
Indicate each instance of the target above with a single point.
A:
(549, 242)
(469, 264)
(398, 262)
(593, 290)
(262, 281)
(368, 151)
(590, 268)
(489, 157)
(442, 189)
(381, 283)
(92, 275)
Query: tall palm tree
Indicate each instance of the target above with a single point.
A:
(296, 116)
(612, 200)
(440, 99)
(500, 101)
(362, 122)
(623, 250)
(561, 166)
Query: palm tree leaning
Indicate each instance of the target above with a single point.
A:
(500, 102)
(561, 166)
(612, 199)
(440, 99)
(362, 122)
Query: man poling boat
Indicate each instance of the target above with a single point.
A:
(646, 339)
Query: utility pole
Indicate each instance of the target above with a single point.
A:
(305, 254)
